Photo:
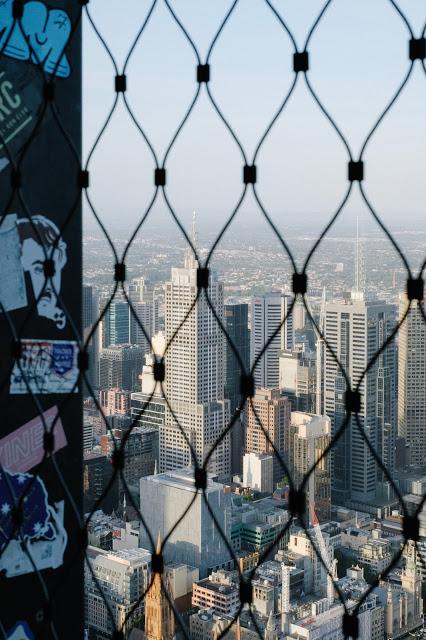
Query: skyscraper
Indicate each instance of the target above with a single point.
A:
(267, 313)
(115, 324)
(412, 381)
(236, 325)
(145, 307)
(89, 319)
(272, 410)
(120, 366)
(355, 330)
(298, 378)
(194, 374)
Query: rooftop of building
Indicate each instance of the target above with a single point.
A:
(125, 557)
(182, 479)
(216, 587)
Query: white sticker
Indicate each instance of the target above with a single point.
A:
(13, 294)
(45, 366)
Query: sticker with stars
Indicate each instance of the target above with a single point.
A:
(37, 539)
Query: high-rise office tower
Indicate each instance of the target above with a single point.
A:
(298, 378)
(145, 307)
(236, 325)
(412, 381)
(267, 313)
(272, 411)
(115, 324)
(309, 438)
(355, 330)
(194, 374)
(89, 319)
(120, 366)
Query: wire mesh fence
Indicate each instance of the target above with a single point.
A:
(37, 43)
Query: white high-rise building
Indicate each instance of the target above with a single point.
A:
(145, 306)
(355, 330)
(267, 313)
(194, 377)
(412, 381)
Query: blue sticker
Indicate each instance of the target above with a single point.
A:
(41, 37)
(20, 631)
(63, 357)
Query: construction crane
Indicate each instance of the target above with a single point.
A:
(329, 562)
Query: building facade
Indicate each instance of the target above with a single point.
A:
(194, 375)
(267, 314)
(196, 540)
(267, 423)
(122, 577)
(236, 326)
(355, 330)
(412, 381)
(120, 366)
(309, 438)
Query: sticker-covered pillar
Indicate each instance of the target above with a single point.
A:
(41, 540)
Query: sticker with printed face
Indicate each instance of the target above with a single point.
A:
(24, 246)
(40, 37)
(45, 366)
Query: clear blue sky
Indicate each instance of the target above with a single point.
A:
(358, 57)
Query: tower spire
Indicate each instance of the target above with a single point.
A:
(194, 230)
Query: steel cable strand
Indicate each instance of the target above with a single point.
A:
(327, 228)
(275, 229)
(180, 225)
(327, 344)
(193, 455)
(385, 230)
(225, 227)
(272, 337)
(403, 17)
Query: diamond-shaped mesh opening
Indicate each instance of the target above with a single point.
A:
(150, 524)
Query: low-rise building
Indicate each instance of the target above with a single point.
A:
(122, 577)
(218, 592)
(376, 553)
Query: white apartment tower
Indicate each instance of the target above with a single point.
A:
(267, 313)
(194, 381)
(412, 380)
(355, 330)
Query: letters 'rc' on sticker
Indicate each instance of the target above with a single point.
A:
(45, 366)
